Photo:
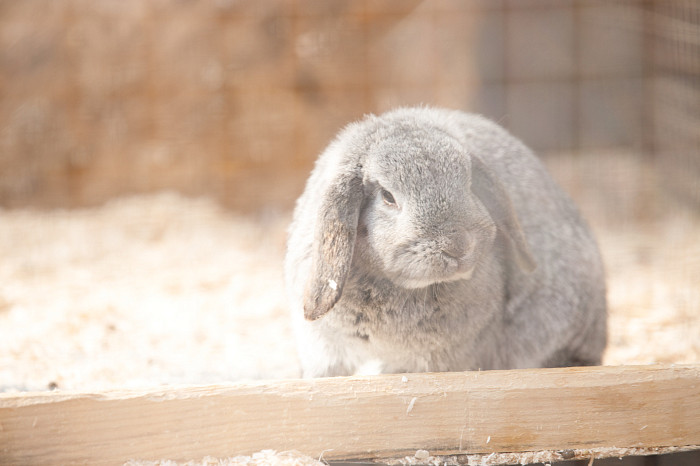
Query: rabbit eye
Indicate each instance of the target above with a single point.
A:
(388, 198)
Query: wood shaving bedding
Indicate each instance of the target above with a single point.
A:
(163, 289)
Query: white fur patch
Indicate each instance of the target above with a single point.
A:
(333, 284)
(371, 367)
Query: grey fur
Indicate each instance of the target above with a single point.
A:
(481, 261)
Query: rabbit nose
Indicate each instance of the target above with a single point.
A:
(457, 247)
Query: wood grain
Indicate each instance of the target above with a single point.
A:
(385, 416)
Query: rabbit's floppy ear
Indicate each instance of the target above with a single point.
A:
(491, 193)
(334, 243)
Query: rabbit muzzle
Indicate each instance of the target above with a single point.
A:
(420, 263)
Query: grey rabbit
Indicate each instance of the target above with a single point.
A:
(432, 240)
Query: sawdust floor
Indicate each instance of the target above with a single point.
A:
(164, 289)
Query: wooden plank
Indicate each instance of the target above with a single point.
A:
(385, 416)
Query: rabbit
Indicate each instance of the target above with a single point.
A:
(430, 240)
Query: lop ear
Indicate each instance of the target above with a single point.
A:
(493, 195)
(334, 243)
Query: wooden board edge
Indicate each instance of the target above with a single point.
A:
(384, 417)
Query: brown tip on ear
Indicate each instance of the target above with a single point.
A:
(334, 244)
(317, 302)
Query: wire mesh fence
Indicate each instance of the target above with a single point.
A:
(103, 98)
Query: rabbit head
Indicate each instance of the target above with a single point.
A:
(407, 201)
